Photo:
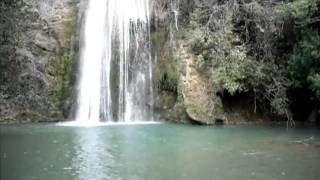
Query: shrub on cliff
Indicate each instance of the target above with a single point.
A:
(233, 42)
(304, 62)
(300, 43)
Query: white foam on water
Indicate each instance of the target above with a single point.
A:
(96, 124)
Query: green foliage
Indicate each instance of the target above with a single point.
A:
(199, 16)
(232, 71)
(300, 19)
(217, 53)
(304, 63)
(257, 47)
(200, 61)
(62, 70)
(169, 81)
(239, 61)
(305, 58)
(286, 38)
(158, 38)
(314, 81)
(301, 11)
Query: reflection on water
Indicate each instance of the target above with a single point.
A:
(158, 152)
(91, 155)
(107, 153)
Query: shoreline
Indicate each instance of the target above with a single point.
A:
(230, 123)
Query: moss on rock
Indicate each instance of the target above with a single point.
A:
(30, 116)
(25, 117)
(61, 85)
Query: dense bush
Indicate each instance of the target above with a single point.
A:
(302, 41)
(233, 43)
(259, 47)
(304, 62)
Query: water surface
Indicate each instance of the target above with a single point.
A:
(158, 152)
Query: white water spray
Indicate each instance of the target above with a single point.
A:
(115, 32)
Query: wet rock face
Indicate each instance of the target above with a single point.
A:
(32, 35)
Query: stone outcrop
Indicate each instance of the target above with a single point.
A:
(194, 90)
(36, 36)
(184, 94)
(196, 93)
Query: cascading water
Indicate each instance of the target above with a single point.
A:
(115, 81)
(174, 5)
(175, 10)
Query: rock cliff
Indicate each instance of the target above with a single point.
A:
(37, 53)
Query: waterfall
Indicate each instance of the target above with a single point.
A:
(175, 10)
(174, 5)
(115, 82)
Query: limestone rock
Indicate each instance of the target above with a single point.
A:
(196, 92)
(31, 38)
(45, 43)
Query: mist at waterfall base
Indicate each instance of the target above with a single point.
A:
(115, 80)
